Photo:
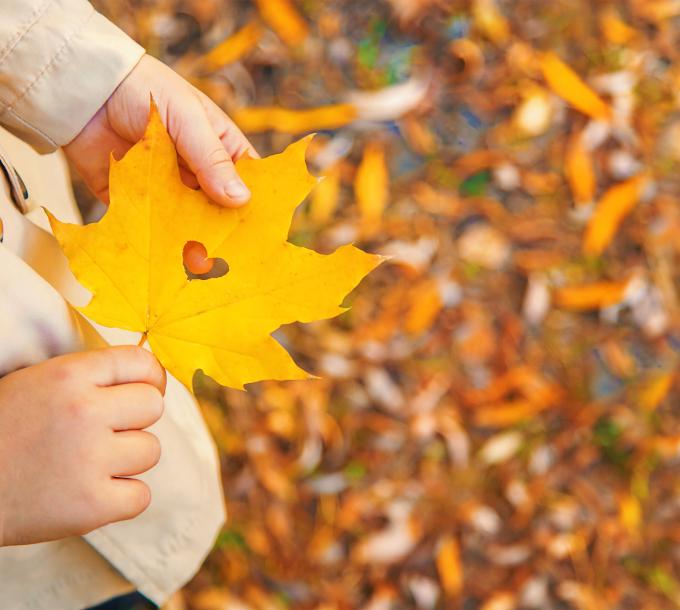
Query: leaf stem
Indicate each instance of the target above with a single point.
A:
(142, 340)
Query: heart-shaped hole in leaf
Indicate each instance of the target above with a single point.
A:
(198, 266)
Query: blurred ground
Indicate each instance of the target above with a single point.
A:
(496, 426)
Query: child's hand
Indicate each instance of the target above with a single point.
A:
(206, 139)
(69, 427)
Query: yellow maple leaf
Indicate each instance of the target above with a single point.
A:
(132, 263)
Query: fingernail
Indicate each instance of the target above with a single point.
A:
(237, 191)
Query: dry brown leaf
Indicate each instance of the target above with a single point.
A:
(476, 161)
(469, 59)
(420, 137)
(537, 259)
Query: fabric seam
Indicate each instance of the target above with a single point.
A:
(31, 127)
(50, 64)
(35, 16)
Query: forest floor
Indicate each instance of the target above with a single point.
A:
(496, 425)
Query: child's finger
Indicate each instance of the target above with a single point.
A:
(132, 406)
(233, 139)
(126, 499)
(187, 176)
(133, 452)
(204, 153)
(122, 364)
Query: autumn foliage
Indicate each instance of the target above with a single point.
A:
(495, 425)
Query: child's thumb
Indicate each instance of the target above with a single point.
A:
(198, 144)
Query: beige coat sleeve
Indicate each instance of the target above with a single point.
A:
(60, 60)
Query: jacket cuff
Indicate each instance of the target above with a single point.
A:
(61, 63)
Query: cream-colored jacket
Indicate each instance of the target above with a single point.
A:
(59, 62)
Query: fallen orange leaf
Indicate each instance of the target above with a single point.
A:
(507, 413)
(449, 566)
(371, 186)
(615, 204)
(630, 513)
(233, 48)
(580, 171)
(285, 20)
(589, 296)
(571, 87)
(655, 389)
(425, 306)
(326, 196)
(283, 120)
(668, 447)
(490, 21)
(614, 29)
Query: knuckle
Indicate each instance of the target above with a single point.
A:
(142, 362)
(111, 361)
(217, 158)
(64, 372)
(138, 354)
(79, 407)
(147, 361)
